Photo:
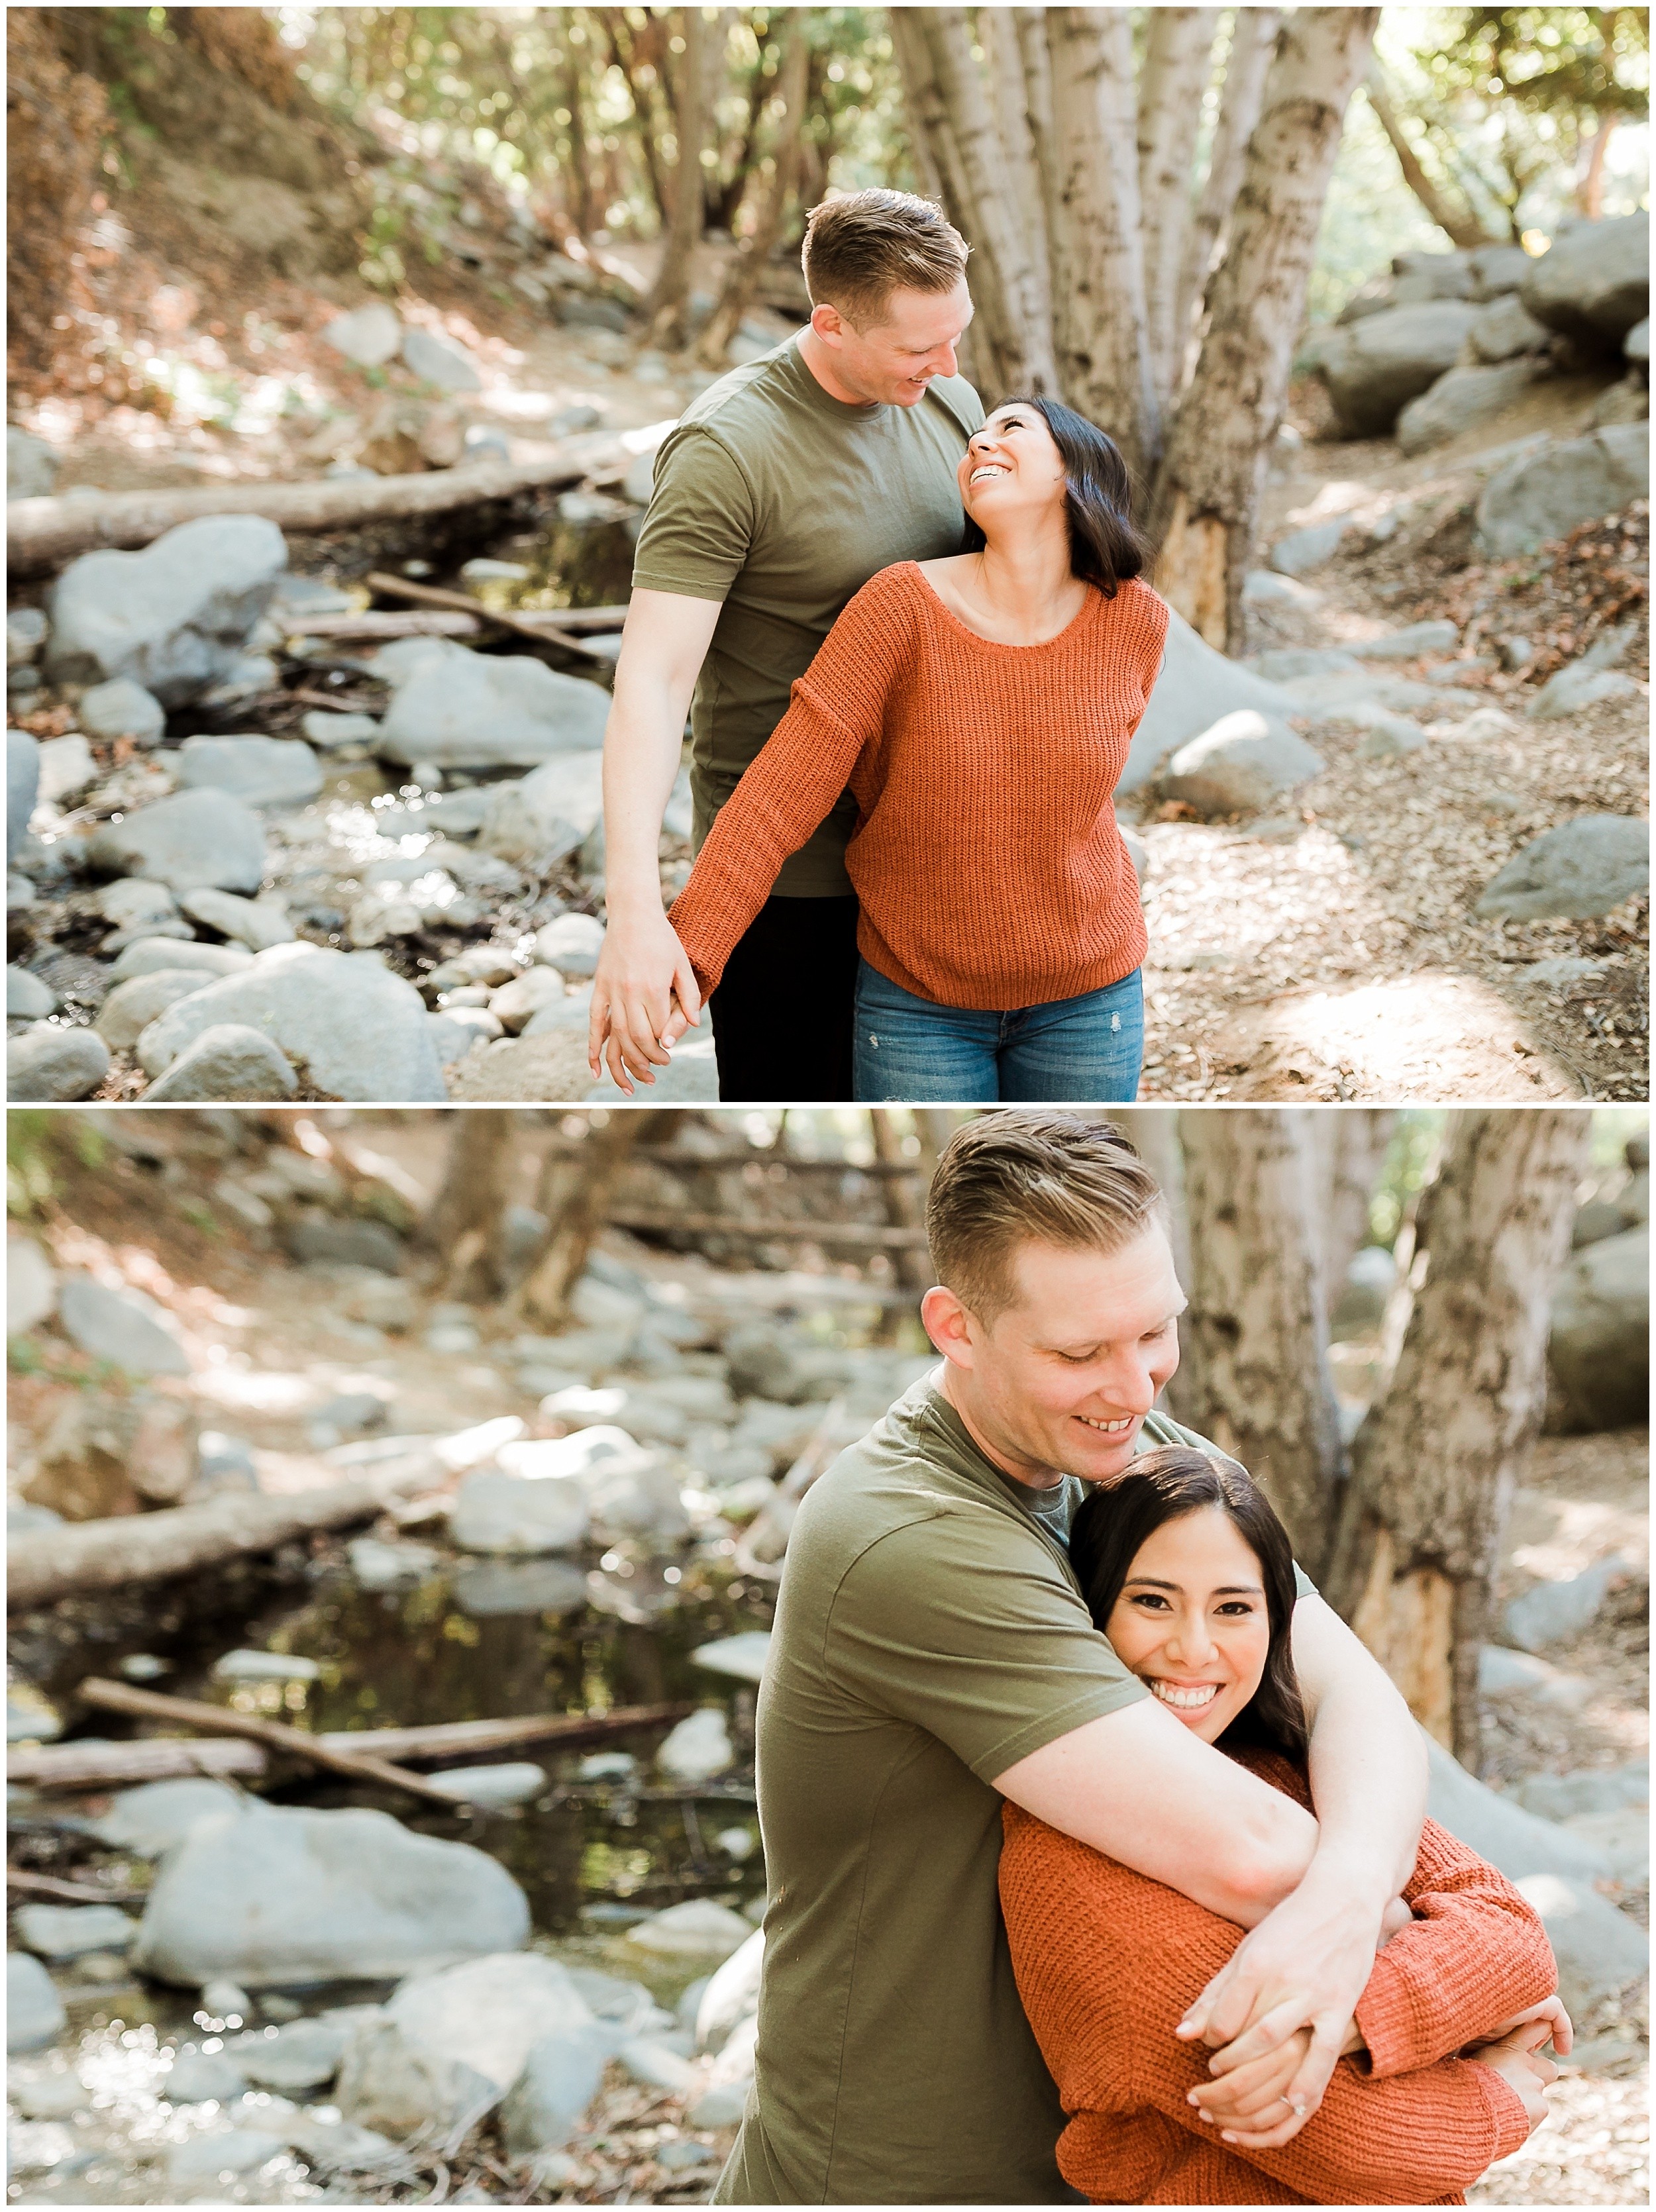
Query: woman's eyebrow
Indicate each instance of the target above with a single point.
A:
(1149, 1582)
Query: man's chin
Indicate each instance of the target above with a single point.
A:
(1099, 1458)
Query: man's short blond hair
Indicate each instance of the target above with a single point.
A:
(858, 249)
(1030, 1175)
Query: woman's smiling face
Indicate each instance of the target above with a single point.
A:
(1191, 1621)
(1012, 463)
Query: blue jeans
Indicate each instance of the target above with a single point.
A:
(911, 1050)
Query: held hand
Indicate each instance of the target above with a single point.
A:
(1249, 2104)
(1304, 1966)
(640, 969)
(1517, 2058)
(1560, 2033)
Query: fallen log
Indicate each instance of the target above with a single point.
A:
(68, 1892)
(96, 1765)
(150, 1548)
(452, 1739)
(44, 533)
(544, 631)
(276, 1736)
(654, 1217)
(379, 623)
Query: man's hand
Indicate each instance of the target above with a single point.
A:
(1302, 1969)
(1517, 2058)
(644, 998)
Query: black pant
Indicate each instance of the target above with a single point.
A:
(782, 1012)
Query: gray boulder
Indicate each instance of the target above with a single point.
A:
(34, 2011)
(1495, 269)
(1194, 687)
(31, 1285)
(1567, 1797)
(1597, 1354)
(70, 1931)
(274, 1895)
(1410, 643)
(122, 709)
(26, 633)
(196, 837)
(201, 2077)
(228, 1062)
(562, 2073)
(158, 1815)
(1239, 765)
(1636, 344)
(315, 1238)
(67, 765)
(1577, 870)
(1314, 547)
(548, 813)
(1373, 367)
(368, 336)
(1265, 588)
(1542, 493)
(1558, 1612)
(145, 955)
(516, 1516)
(120, 1327)
(1500, 1830)
(305, 2055)
(1593, 284)
(1598, 1949)
(439, 360)
(132, 1005)
(1506, 328)
(1284, 665)
(258, 771)
(23, 781)
(451, 2044)
(571, 944)
(218, 2157)
(175, 616)
(31, 466)
(256, 923)
(1503, 1672)
(360, 1030)
(27, 998)
(461, 709)
(49, 1064)
(1578, 687)
(1460, 400)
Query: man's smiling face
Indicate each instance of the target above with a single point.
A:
(1061, 1381)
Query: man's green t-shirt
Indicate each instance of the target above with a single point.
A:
(782, 501)
(928, 1635)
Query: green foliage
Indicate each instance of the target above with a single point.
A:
(1407, 1163)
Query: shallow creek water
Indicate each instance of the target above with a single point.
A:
(471, 1640)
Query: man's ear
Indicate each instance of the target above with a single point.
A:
(827, 322)
(949, 1325)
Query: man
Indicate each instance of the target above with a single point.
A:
(933, 1656)
(782, 489)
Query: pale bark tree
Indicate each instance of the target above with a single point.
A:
(1179, 47)
(1208, 495)
(1439, 1453)
(1253, 41)
(1346, 1152)
(577, 1184)
(668, 306)
(463, 1223)
(1460, 224)
(1257, 1381)
(771, 206)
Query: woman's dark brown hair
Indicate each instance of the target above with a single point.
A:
(1114, 1519)
(1104, 546)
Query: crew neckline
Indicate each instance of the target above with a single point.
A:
(995, 644)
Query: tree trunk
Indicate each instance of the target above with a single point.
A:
(1437, 1458)
(1257, 1324)
(1179, 47)
(1096, 232)
(1207, 497)
(1590, 193)
(789, 89)
(1253, 40)
(462, 1226)
(1461, 223)
(669, 301)
(1023, 187)
(576, 1189)
(1347, 1151)
(1154, 1134)
(44, 533)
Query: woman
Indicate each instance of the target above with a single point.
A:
(1189, 1573)
(980, 708)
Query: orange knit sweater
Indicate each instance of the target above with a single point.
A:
(1108, 1962)
(987, 859)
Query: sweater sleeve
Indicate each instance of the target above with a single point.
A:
(1107, 1962)
(836, 708)
(1475, 1953)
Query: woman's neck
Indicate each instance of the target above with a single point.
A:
(1023, 574)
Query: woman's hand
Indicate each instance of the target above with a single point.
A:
(1560, 2033)
(644, 998)
(1517, 2058)
(1249, 2104)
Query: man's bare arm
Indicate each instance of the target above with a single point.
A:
(643, 963)
(1307, 1962)
(1137, 1785)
